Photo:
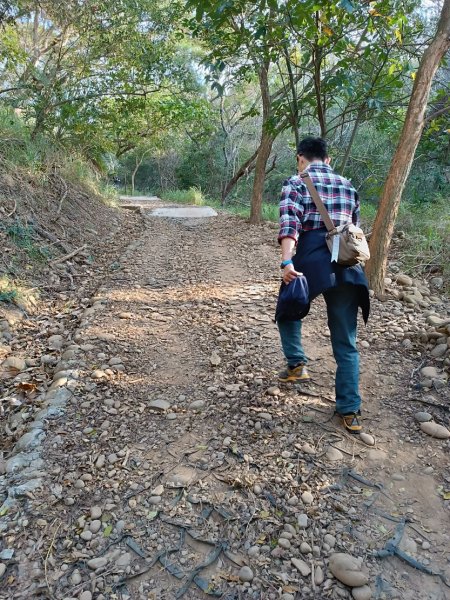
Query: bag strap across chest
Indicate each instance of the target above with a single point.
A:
(318, 201)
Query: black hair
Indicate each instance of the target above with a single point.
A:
(312, 148)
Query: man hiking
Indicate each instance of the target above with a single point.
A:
(304, 251)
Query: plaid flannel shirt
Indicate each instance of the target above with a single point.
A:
(299, 213)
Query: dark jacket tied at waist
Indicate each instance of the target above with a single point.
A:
(313, 259)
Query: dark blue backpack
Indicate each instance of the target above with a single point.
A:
(293, 300)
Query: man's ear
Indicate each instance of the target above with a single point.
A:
(327, 161)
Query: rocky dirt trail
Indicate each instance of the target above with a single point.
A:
(164, 461)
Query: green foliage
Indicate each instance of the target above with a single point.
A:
(8, 291)
(191, 196)
(17, 145)
(8, 295)
(427, 241)
(22, 236)
(62, 68)
(37, 158)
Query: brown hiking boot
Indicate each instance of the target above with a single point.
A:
(351, 422)
(293, 374)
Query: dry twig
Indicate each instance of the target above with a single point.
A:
(68, 256)
(50, 548)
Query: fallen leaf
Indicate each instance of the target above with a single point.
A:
(28, 388)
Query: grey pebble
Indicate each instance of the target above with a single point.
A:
(97, 563)
(246, 574)
(95, 526)
(422, 417)
(96, 512)
(302, 521)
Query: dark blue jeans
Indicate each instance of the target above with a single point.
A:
(342, 309)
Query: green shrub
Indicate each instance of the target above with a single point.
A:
(8, 295)
(193, 195)
(426, 243)
(42, 159)
(8, 292)
(22, 236)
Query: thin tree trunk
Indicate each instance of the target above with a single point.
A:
(139, 162)
(356, 124)
(317, 59)
(36, 50)
(265, 148)
(404, 153)
(318, 90)
(133, 175)
(294, 105)
(244, 169)
(224, 149)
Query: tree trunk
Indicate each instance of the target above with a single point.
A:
(320, 101)
(36, 50)
(244, 169)
(404, 153)
(294, 106)
(134, 173)
(264, 150)
(138, 163)
(358, 119)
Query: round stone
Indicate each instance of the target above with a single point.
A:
(96, 512)
(367, 439)
(333, 454)
(422, 417)
(307, 498)
(76, 578)
(197, 405)
(253, 551)
(95, 526)
(362, 593)
(305, 548)
(246, 574)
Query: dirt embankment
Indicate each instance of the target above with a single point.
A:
(54, 237)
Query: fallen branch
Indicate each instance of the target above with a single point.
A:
(443, 406)
(392, 549)
(48, 236)
(50, 548)
(68, 256)
(63, 197)
(13, 210)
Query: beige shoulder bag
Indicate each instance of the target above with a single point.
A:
(347, 243)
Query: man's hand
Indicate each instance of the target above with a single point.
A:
(289, 274)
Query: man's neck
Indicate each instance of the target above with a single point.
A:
(316, 161)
